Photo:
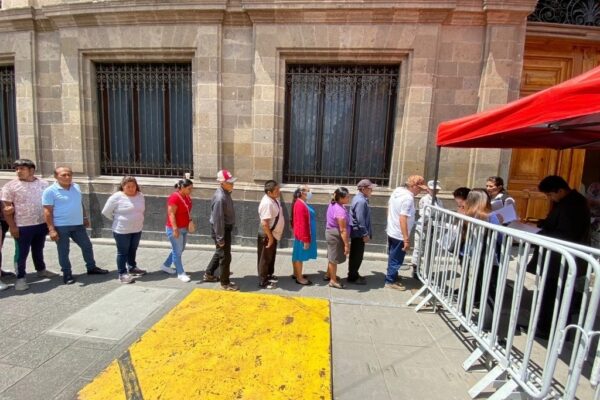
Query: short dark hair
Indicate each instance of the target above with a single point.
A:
(270, 185)
(128, 179)
(23, 162)
(497, 180)
(461, 193)
(552, 184)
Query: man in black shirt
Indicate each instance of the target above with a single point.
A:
(568, 219)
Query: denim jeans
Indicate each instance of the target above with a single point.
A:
(31, 238)
(177, 247)
(395, 259)
(81, 239)
(127, 245)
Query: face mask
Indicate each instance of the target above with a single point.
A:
(308, 196)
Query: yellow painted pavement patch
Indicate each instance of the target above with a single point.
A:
(224, 345)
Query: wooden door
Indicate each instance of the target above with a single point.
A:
(543, 68)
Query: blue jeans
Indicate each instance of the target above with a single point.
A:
(177, 247)
(31, 238)
(81, 239)
(395, 259)
(127, 245)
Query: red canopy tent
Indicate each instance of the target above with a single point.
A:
(563, 116)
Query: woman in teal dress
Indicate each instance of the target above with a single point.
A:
(304, 224)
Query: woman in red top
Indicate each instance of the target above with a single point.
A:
(304, 224)
(179, 215)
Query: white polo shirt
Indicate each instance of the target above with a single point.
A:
(268, 209)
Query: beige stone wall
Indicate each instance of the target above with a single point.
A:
(455, 57)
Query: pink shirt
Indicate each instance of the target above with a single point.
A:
(27, 200)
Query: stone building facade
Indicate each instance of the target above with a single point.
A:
(454, 57)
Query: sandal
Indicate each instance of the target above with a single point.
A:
(231, 287)
(307, 282)
(326, 277)
(336, 285)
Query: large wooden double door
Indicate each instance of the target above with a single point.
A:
(547, 62)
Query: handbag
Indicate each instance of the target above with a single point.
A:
(191, 228)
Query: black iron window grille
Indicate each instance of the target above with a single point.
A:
(9, 146)
(145, 119)
(572, 12)
(339, 123)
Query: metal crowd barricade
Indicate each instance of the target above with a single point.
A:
(482, 273)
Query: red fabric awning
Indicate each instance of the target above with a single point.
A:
(563, 116)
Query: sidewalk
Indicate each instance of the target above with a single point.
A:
(381, 349)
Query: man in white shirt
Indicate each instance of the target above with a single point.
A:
(400, 220)
(27, 226)
(269, 233)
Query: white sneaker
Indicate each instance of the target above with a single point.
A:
(3, 286)
(184, 277)
(168, 270)
(21, 284)
(126, 278)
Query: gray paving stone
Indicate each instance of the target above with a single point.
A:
(54, 376)
(70, 392)
(115, 314)
(10, 344)
(10, 374)
(357, 373)
(37, 351)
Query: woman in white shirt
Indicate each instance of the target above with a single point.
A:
(126, 209)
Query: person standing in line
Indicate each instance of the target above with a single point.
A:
(269, 234)
(360, 230)
(26, 223)
(222, 220)
(421, 221)
(304, 223)
(66, 219)
(337, 235)
(4, 225)
(400, 220)
(126, 210)
(179, 216)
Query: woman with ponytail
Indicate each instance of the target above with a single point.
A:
(179, 216)
(303, 222)
(337, 234)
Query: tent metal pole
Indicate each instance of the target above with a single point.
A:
(436, 174)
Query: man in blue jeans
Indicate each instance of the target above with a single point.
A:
(400, 220)
(66, 219)
(26, 222)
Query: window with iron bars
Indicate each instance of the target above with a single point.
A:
(9, 146)
(339, 123)
(145, 118)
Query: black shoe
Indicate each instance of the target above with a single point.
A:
(358, 281)
(97, 271)
(7, 274)
(273, 278)
(68, 279)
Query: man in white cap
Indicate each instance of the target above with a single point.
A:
(360, 230)
(400, 220)
(222, 219)
(421, 222)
